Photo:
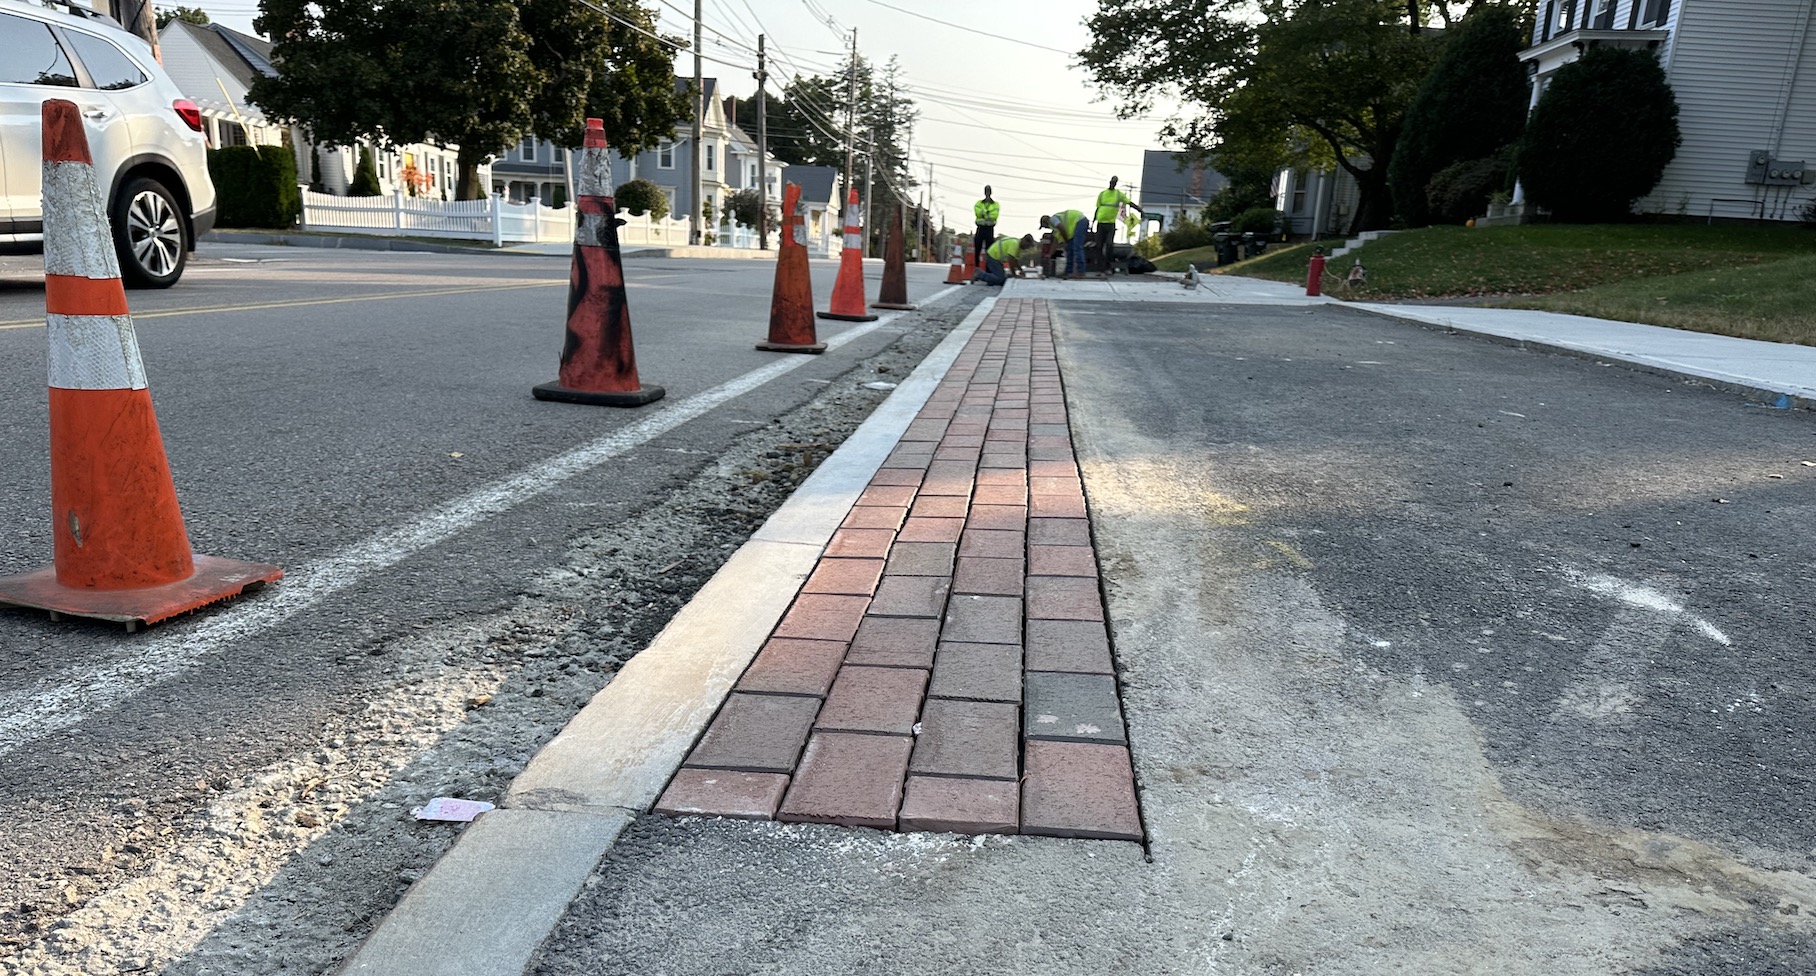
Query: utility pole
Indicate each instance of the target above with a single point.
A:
(138, 17)
(851, 111)
(762, 152)
(699, 214)
(869, 184)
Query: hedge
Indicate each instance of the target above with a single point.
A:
(255, 186)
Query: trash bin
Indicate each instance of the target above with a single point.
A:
(1256, 246)
(1226, 248)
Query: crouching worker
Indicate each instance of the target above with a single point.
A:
(1002, 259)
(1071, 227)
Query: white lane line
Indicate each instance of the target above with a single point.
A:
(71, 697)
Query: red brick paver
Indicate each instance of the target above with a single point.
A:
(946, 666)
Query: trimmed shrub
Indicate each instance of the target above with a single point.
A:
(365, 175)
(1600, 136)
(255, 186)
(1460, 191)
(1471, 104)
(315, 170)
(1260, 220)
(1184, 234)
(640, 197)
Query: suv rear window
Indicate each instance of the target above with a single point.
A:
(110, 68)
(29, 54)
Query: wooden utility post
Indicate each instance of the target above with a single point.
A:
(696, 232)
(763, 152)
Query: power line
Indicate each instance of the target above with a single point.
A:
(947, 23)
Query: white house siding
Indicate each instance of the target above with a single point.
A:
(1738, 71)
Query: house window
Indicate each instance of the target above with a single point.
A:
(526, 150)
(232, 134)
(1654, 13)
(1603, 19)
(665, 156)
(669, 192)
(712, 153)
(750, 175)
(1299, 192)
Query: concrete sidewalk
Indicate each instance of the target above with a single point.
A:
(489, 905)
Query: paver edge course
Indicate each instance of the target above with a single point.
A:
(840, 475)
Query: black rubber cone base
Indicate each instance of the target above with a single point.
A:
(846, 318)
(894, 307)
(816, 348)
(635, 398)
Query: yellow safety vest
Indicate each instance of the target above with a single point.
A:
(987, 212)
(1065, 222)
(1108, 201)
(1005, 248)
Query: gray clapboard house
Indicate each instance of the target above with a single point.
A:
(1745, 80)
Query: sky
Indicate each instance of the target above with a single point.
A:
(1000, 99)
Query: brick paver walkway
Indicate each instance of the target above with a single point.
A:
(946, 666)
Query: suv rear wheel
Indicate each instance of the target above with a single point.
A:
(149, 235)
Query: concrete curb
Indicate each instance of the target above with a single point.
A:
(491, 900)
(1786, 395)
(351, 243)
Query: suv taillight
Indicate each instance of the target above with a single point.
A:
(189, 113)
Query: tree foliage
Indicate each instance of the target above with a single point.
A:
(188, 15)
(1309, 82)
(479, 74)
(806, 127)
(743, 207)
(1600, 136)
(1471, 105)
(641, 197)
(365, 175)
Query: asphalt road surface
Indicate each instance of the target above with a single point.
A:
(466, 565)
(1439, 657)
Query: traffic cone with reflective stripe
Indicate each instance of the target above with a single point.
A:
(791, 305)
(955, 275)
(848, 288)
(894, 292)
(970, 258)
(598, 361)
(121, 551)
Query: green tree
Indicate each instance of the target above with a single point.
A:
(188, 15)
(1472, 104)
(478, 74)
(1600, 136)
(365, 175)
(743, 207)
(1325, 82)
(641, 197)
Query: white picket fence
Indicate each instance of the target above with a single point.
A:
(493, 219)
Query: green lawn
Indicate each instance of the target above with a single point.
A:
(1757, 282)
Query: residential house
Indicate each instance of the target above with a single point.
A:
(1173, 186)
(533, 169)
(1745, 80)
(728, 157)
(1316, 203)
(825, 217)
(215, 66)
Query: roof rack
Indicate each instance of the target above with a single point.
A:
(76, 8)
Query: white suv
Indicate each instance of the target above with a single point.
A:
(150, 154)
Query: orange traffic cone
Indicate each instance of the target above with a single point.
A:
(121, 551)
(791, 306)
(970, 258)
(598, 361)
(848, 288)
(955, 275)
(894, 292)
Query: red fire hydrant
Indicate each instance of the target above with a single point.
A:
(1314, 276)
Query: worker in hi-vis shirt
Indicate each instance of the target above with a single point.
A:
(986, 211)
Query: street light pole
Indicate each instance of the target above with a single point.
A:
(699, 135)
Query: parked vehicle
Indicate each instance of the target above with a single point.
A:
(149, 150)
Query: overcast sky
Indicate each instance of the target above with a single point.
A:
(996, 105)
